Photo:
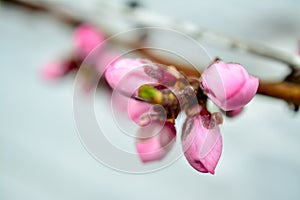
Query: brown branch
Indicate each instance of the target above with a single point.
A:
(289, 92)
(185, 69)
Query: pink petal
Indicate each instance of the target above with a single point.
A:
(229, 85)
(127, 74)
(244, 96)
(53, 70)
(202, 146)
(156, 141)
(137, 109)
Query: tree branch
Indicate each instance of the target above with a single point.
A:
(289, 92)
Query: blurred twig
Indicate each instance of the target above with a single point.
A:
(147, 18)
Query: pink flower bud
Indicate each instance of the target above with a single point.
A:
(128, 74)
(202, 146)
(86, 38)
(143, 113)
(136, 111)
(156, 141)
(229, 85)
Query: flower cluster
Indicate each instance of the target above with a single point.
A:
(158, 93)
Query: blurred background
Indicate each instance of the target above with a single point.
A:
(41, 154)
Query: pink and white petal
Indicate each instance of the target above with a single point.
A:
(160, 137)
(150, 150)
(136, 109)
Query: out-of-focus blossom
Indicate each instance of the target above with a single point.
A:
(155, 141)
(229, 85)
(202, 145)
(105, 59)
(54, 70)
(86, 38)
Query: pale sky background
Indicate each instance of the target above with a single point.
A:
(42, 157)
